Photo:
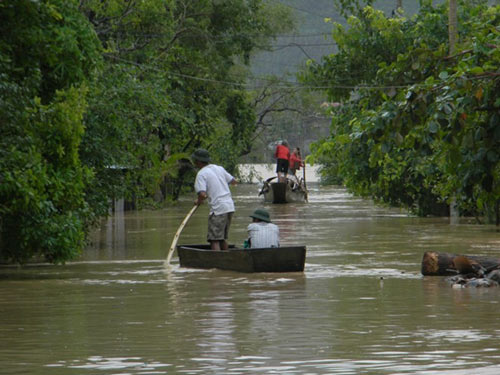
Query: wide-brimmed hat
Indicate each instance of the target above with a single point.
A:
(261, 214)
(202, 155)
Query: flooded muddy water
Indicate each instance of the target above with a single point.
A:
(360, 307)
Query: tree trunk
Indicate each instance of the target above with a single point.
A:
(452, 26)
(452, 41)
(442, 264)
(399, 4)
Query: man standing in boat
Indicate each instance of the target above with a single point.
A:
(282, 153)
(295, 163)
(212, 183)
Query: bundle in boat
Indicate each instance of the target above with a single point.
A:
(446, 264)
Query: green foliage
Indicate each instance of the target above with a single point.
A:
(49, 45)
(430, 134)
(352, 7)
(42, 205)
(47, 50)
(84, 124)
(173, 81)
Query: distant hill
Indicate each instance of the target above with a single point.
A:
(313, 36)
(311, 40)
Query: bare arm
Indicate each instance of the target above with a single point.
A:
(202, 195)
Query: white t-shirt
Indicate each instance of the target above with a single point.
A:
(262, 234)
(214, 180)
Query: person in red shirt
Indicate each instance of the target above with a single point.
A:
(295, 162)
(282, 153)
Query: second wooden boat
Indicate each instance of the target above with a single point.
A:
(288, 191)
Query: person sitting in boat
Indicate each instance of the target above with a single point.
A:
(282, 154)
(261, 232)
(212, 183)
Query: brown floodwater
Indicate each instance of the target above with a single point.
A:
(360, 307)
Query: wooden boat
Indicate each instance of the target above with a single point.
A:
(291, 190)
(274, 259)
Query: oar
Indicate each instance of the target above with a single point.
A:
(304, 179)
(178, 233)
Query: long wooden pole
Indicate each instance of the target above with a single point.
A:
(304, 179)
(178, 233)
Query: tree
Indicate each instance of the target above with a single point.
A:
(48, 51)
(174, 80)
(352, 7)
(101, 100)
(283, 111)
(421, 127)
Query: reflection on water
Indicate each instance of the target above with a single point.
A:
(360, 307)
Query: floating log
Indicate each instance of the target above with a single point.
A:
(446, 264)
